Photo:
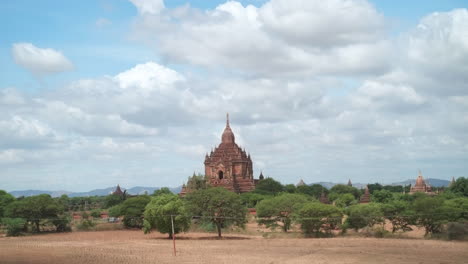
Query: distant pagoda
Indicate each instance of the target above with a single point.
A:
(365, 198)
(421, 186)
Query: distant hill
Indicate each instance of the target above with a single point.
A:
(141, 189)
(97, 192)
(432, 182)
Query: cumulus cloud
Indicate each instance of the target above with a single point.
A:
(319, 105)
(40, 61)
(148, 6)
(279, 38)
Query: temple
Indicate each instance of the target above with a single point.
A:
(229, 166)
(365, 198)
(349, 183)
(421, 186)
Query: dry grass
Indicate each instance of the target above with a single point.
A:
(135, 247)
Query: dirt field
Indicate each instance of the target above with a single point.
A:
(135, 247)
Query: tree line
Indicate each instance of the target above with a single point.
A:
(277, 206)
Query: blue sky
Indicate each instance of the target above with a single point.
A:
(383, 84)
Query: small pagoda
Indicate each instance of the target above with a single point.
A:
(324, 199)
(365, 198)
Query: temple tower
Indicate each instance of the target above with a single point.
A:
(421, 186)
(228, 165)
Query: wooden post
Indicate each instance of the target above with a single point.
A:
(173, 235)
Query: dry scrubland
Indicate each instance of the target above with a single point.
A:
(134, 247)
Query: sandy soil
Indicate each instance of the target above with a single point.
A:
(135, 247)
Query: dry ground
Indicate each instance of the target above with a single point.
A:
(134, 247)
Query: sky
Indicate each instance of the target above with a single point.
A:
(97, 93)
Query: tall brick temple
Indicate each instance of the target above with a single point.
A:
(229, 166)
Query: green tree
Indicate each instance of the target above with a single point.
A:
(460, 186)
(5, 200)
(290, 188)
(431, 213)
(251, 199)
(268, 186)
(35, 209)
(96, 213)
(112, 200)
(218, 206)
(197, 182)
(393, 188)
(132, 210)
(374, 187)
(382, 196)
(115, 211)
(163, 190)
(345, 200)
(14, 226)
(280, 209)
(342, 189)
(362, 215)
(399, 214)
(160, 209)
(314, 190)
(316, 217)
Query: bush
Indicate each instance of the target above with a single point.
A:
(85, 225)
(457, 231)
(362, 215)
(14, 226)
(315, 217)
(96, 213)
(62, 224)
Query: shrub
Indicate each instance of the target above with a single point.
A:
(316, 217)
(62, 224)
(457, 231)
(362, 215)
(14, 226)
(85, 225)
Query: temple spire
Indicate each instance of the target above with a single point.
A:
(227, 119)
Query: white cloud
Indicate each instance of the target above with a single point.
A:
(149, 6)
(40, 61)
(279, 38)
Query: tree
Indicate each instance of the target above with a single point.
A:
(218, 206)
(251, 199)
(460, 186)
(399, 214)
(5, 200)
(314, 190)
(132, 210)
(290, 188)
(115, 211)
(163, 190)
(197, 182)
(280, 209)
(345, 200)
(35, 209)
(374, 187)
(14, 226)
(268, 186)
(112, 200)
(341, 189)
(362, 215)
(96, 213)
(382, 196)
(315, 217)
(431, 213)
(393, 188)
(160, 209)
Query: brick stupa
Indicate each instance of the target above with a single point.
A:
(365, 198)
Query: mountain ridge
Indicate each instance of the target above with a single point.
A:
(142, 189)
